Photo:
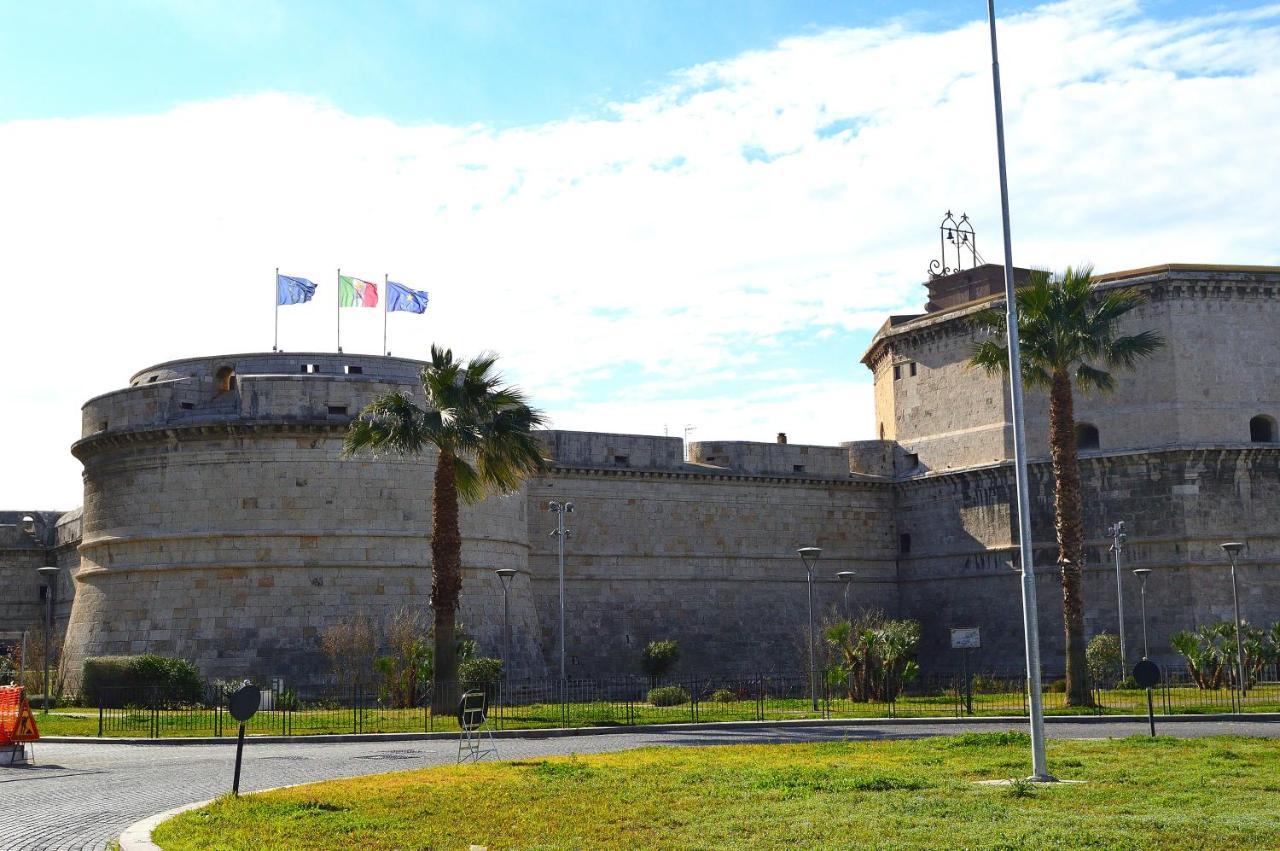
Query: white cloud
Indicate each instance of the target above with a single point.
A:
(639, 240)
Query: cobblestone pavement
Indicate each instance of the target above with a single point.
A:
(79, 796)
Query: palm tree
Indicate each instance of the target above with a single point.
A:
(482, 432)
(1067, 333)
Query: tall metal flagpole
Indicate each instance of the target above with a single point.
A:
(339, 310)
(386, 291)
(275, 345)
(1039, 769)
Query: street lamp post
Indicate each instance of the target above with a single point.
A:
(560, 533)
(809, 556)
(1118, 537)
(50, 575)
(1233, 549)
(846, 576)
(1142, 573)
(505, 575)
(1030, 627)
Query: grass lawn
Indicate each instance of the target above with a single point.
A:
(72, 721)
(1141, 793)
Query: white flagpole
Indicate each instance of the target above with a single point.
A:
(386, 291)
(1030, 626)
(339, 310)
(275, 345)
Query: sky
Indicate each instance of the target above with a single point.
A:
(661, 215)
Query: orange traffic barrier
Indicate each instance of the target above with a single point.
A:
(17, 724)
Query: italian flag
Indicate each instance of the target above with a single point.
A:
(353, 292)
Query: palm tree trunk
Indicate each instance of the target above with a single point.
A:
(1068, 515)
(446, 581)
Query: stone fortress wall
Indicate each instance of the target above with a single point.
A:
(1175, 459)
(221, 523)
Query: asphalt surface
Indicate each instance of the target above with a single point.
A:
(80, 796)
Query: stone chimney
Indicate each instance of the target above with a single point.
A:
(782, 437)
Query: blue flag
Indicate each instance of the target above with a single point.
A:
(400, 297)
(290, 290)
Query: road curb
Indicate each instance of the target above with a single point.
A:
(566, 732)
(137, 836)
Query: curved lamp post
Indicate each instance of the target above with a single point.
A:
(50, 575)
(809, 556)
(560, 533)
(846, 576)
(1142, 573)
(1233, 549)
(1118, 538)
(505, 575)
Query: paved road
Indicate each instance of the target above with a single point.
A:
(78, 796)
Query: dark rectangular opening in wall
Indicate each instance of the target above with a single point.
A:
(102, 426)
(152, 379)
(904, 542)
(355, 370)
(797, 468)
(913, 460)
(44, 592)
(913, 369)
(897, 371)
(186, 406)
(310, 368)
(622, 460)
(338, 410)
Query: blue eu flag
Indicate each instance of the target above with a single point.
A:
(400, 297)
(291, 290)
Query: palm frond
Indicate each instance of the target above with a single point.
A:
(392, 424)
(991, 356)
(1092, 378)
(1125, 351)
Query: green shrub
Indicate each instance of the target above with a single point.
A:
(668, 696)
(1102, 656)
(659, 657)
(115, 681)
(1056, 687)
(480, 672)
(724, 695)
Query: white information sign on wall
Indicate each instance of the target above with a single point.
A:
(966, 638)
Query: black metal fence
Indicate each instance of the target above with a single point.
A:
(327, 708)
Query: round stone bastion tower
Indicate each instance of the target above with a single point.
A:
(223, 525)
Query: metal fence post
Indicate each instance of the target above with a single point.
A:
(99, 717)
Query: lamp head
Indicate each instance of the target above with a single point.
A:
(49, 571)
(568, 508)
(809, 555)
(1141, 572)
(846, 575)
(553, 507)
(506, 572)
(1233, 548)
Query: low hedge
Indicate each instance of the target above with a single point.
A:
(668, 696)
(116, 681)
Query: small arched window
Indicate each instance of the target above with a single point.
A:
(226, 379)
(1262, 429)
(1086, 436)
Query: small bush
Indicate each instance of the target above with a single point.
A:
(668, 696)
(1056, 687)
(1102, 657)
(659, 657)
(724, 695)
(481, 672)
(115, 681)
